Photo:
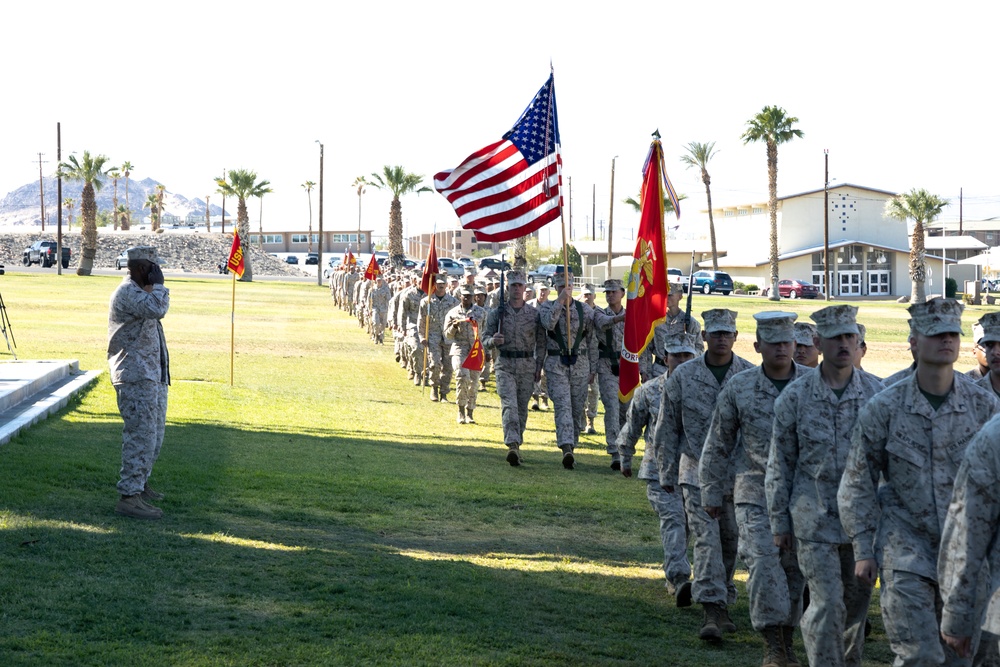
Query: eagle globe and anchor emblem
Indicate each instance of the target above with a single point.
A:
(641, 273)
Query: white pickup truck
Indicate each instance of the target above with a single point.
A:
(675, 276)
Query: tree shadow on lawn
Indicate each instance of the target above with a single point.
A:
(271, 552)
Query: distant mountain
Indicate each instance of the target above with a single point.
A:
(22, 206)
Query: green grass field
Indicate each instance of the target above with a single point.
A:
(322, 511)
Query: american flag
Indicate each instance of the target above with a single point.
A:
(514, 186)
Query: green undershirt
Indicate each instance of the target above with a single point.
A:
(935, 400)
(719, 371)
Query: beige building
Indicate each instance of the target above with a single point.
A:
(453, 243)
(337, 241)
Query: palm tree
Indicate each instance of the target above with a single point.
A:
(698, 156)
(154, 213)
(923, 207)
(308, 186)
(160, 189)
(126, 170)
(772, 126)
(243, 184)
(69, 203)
(120, 214)
(208, 216)
(91, 171)
(114, 175)
(400, 183)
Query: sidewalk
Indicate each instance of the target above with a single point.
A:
(30, 391)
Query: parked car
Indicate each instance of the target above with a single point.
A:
(487, 263)
(466, 261)
(450, 266)
(291, 259)
(543, 274)
(675, 276)
(121, 261)
(791, 289)
(712, 281)
(312, 258)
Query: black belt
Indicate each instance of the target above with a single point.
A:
(554, 353)
(514, 354)
(606, 354)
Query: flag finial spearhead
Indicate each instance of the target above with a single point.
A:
(656, 133)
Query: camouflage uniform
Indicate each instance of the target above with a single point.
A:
(408, 312)
(739, 439)
(379, 301)
(903, 460)
(515, 366)
(681, 428)
(986, 382)
(609, 336)
(674, 325)
(642, 413)
(458, 331)
(809, 446)
(969, 538)
(140, 372)
(567, 384)
(430, 333)
(350, 282)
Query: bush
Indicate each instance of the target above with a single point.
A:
(752, 288)
(950, 288)
(737, 285)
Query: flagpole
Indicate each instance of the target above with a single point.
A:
(566, 277)
(232, 332)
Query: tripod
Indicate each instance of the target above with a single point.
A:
(4, 326)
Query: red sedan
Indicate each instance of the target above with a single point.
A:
(791, 289)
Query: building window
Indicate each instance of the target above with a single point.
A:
(458, 246)
(757, 210)
(730, 214)
(300, 238)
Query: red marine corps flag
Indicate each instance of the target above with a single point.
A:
(476, 360)
(235, 263)
(373, 271)
(431, 268)
(647, 287)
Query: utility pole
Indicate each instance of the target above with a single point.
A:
(960, 231)
(593, 214)
(826, 222)
(58, 200)
(41, 189)
(319, 244)
(611, 214)
(223, 204)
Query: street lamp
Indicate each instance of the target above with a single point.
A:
(319, 245)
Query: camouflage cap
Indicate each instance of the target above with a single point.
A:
(613, 285)
(470, 270)
(681, 344)
(143, 252)
(538, 286)
(833, 321)
(479, 290)
(719, 319)
(676, 288)
(453, 279)
(937, 316)
(805, 333)
(775, 326)
(588, 288)
(440, 280)
(468, 290)
(862, 330)
(516, 278)
(989, 328)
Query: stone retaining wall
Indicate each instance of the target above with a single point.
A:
(197, 253)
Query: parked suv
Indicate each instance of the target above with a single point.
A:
(312, 258)
(543, 274)
(712, 281)
(44, 253)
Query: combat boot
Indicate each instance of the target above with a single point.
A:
(682, 594)
(590, 426)
(461, 415)
(774, 647)
(534, 403)
(616, 462)
(434, 395)
(725, 622)
(545, 402)
(149, 493)
(567, 459)
(710, 630)
(443, 395)
(134, 507)
(469, 419)
(482, 385)
(416, 380)
(514, 456)
(787, 633)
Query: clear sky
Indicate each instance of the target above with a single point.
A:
(899, 92)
